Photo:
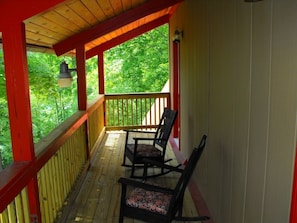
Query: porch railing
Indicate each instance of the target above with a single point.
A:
(61, 158)
(64, 155)
(141, 110)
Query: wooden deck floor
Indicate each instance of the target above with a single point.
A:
(98, 198)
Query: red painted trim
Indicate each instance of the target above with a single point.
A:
(18, 11)
(81, 78)
(13, 179)
(127, 36)
(34, 203)
(112, 24)
(176, 106)
(293, 213)
(17, 88)
(199, 202)
(101, 72)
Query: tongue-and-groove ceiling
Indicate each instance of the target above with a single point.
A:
(97, 24)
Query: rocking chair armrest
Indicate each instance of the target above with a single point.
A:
(163, 165)
(140, 138)
(138, 131)
(146, 186)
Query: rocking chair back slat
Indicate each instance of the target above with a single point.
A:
(187, 174)
(164, 128)
(145, 147)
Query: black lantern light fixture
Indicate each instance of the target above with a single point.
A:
(64, 77)
(177, 35)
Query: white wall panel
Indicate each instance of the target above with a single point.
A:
(239, 85)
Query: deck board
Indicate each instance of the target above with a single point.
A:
(99, 196)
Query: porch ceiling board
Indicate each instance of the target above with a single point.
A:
(60, 26)
(112, 25)
(126, 36)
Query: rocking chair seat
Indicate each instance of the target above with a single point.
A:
(149, 200)
(144, 150)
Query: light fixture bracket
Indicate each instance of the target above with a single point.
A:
(178, 35)
(64, 77)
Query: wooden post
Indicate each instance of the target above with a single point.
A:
(18, 98)
(101, 80)
(101, 73)
(82, 87)
(81, 77)
(175, 89)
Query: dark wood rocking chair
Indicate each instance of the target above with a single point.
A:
(152, 203)
(154, 147)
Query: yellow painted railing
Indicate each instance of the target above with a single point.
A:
(58, 175)
(142, 110)
(96, 123)
(17, 210)
(62, 157)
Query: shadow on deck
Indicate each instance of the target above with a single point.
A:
(98, 198)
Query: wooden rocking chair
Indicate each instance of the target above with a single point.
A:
(154, 148)
(152, 203)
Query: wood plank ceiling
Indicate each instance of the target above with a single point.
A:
(92, 23)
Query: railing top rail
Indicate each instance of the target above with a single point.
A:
(138, 95)
(13, 179)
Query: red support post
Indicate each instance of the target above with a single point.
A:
(81, 77)
(101, 73)
(101, 79)
(176, 105)
(18, 98)
(82, 87)
(17, 88)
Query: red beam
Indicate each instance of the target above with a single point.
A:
(127, 36)
(112, 24)
(16, 10)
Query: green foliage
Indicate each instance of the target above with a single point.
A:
(50, 105)
(138, 65)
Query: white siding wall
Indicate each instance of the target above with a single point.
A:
(238, 84)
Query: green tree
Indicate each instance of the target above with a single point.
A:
(138, 65)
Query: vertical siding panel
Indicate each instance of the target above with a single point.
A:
(221, 124)
(242, 93)
(282, 112)
(260, 95)
(247, 53)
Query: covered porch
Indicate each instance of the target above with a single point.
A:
(97, 197)
(232, 77)
(35, 186)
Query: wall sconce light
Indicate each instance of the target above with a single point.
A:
(178, 35)
(64, 77)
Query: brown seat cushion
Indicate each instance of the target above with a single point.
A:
(145, 150)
